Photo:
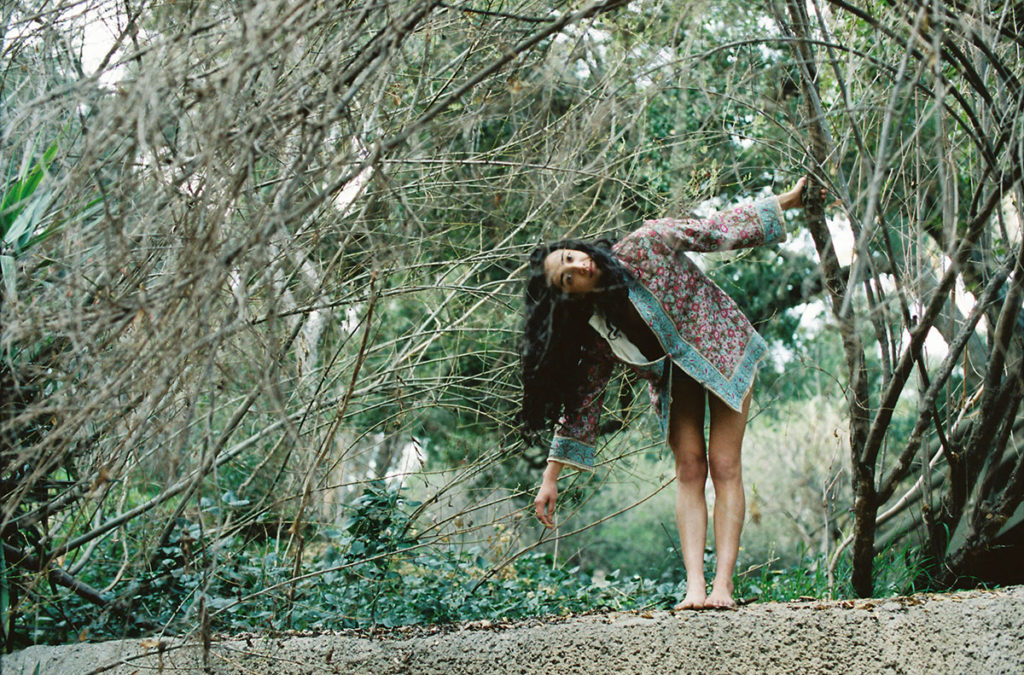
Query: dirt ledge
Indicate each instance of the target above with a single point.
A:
(977, 632)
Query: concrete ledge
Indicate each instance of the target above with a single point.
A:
(970, 632)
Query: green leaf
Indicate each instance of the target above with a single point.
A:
(21, 189)
(88, 213)
(26, 222)
(7, 272)
(48, 156)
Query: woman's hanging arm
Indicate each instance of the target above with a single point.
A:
(576, 432)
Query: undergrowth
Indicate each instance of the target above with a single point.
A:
(373, 573)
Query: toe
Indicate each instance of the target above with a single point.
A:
(720, 604)
(689, 603)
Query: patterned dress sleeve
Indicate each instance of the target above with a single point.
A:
(576, 431)
(746, 226)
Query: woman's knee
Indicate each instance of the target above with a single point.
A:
(691, 467)
(725, 468)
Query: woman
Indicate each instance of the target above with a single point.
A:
(642, 302)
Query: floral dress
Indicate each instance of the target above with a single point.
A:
(699, 327)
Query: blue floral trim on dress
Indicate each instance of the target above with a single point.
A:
(771, 216)
(732, 390)
(572, 452)
(665, 399)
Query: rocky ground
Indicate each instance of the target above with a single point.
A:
(977, 632)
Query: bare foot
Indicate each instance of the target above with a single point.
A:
(720, 598)
(693, 600)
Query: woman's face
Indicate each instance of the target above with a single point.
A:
(572, 271)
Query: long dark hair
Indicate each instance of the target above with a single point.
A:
(556, 331)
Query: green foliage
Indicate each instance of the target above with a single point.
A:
(807, 578)
(766, 285)
(373, 573)
(21, 211)
(25, 217)
(895, 571)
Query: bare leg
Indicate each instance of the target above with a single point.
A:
(725, 441)
(686, 438)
